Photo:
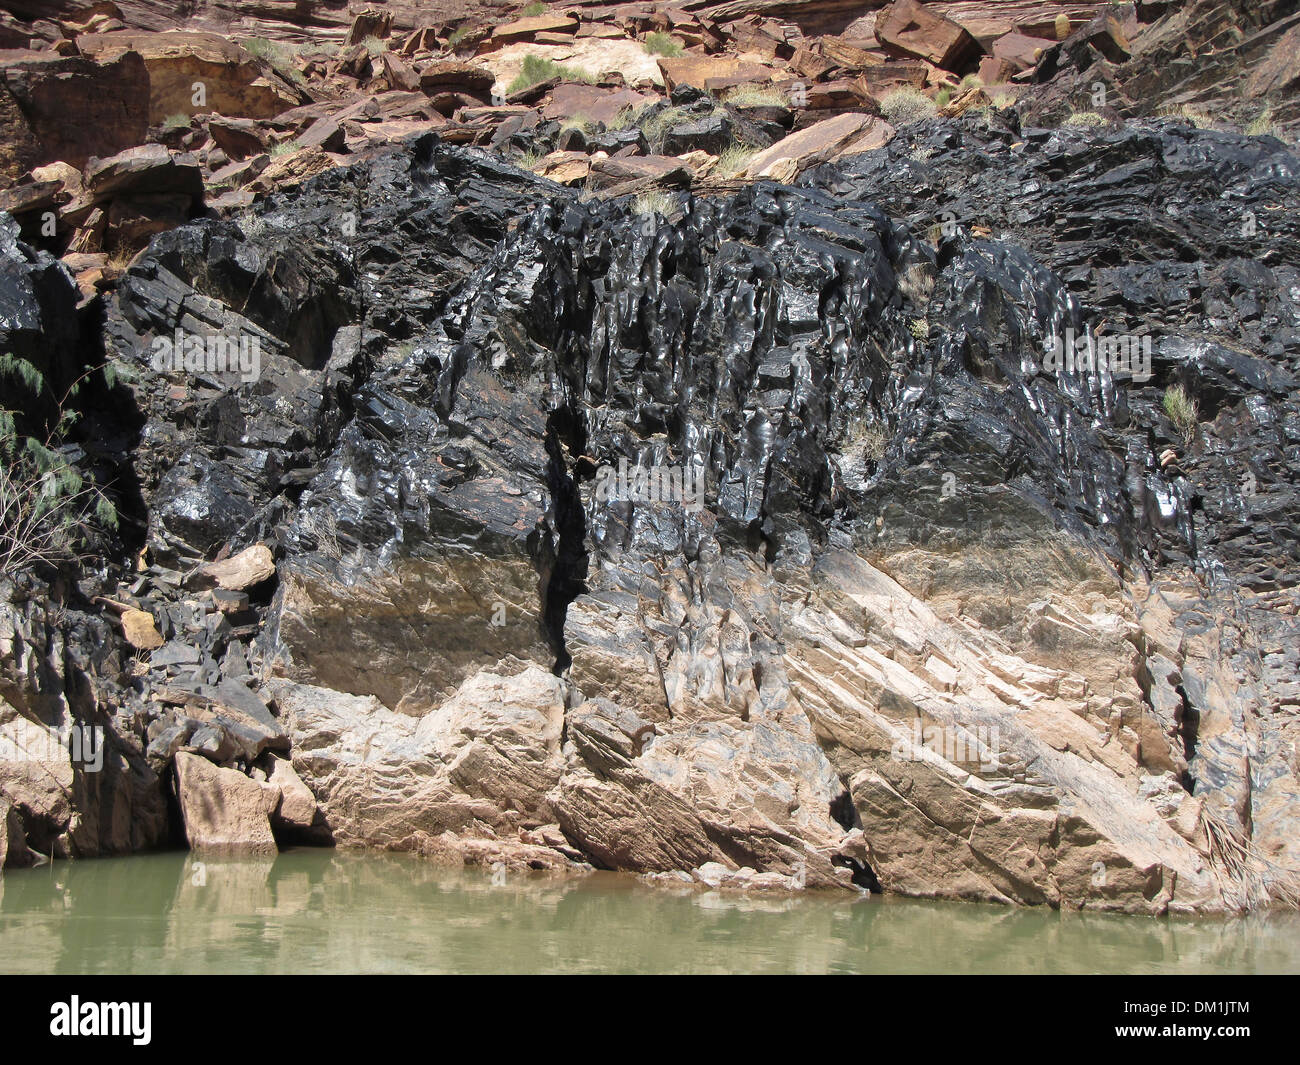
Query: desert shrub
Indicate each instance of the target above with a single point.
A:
(906, 105)
(659, 43)
(1181, 409)
(734, 159)
(47, 506)
(755, 96)
(537, 69)
(1262, 125)
(654, 202)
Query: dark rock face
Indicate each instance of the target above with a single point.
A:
(654, 542)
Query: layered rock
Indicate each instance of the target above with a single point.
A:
(909, 606)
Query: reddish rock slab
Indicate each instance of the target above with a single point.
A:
(234, 82)
(911, 30)
(699, 70)
(571, 99)
(52, 108)
(526, 29)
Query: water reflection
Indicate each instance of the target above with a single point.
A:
(315, 911)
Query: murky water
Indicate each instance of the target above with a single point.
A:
(314, 911)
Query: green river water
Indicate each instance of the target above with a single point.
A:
(320, 911)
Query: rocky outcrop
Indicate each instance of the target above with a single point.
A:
(67, 109)
(191, 72)
(824, 667)
(224, 810)
(760, 535)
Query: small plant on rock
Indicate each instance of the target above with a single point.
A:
(906, 105)
(536, 69)
(1262, 125)
(1086, 119)
(734, 159)
(755, 96)
(47, 506)
(652, 203)
(1181, 409)
(659, 43)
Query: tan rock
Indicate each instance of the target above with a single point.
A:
(526, 29)
(295, 803)
(700, 70)
(832, 138)
(251, 566)
(138, 627)
(566, 168)
(234, 82)
(223, 810)
(481, 765)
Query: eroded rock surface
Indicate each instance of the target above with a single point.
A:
(908, 608)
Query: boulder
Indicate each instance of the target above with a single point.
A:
(700, 70)
(455, 75)
(325, 134)
(711, 133)
(224, 811)
(237, 137)
(251, 566)
(527, 29)
(149, 169)
(1020, 51)
(69, 109)
(851, 54)
(140, 631)
(295, 804)
(13, 840)
(369, 23)
(571, 99)
(832, 138)
(909, 29)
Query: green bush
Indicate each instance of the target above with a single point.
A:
(47, 507)
(537, 69)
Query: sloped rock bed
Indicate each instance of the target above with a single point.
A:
(945, 621)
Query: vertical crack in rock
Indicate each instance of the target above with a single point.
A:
(565, 576)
